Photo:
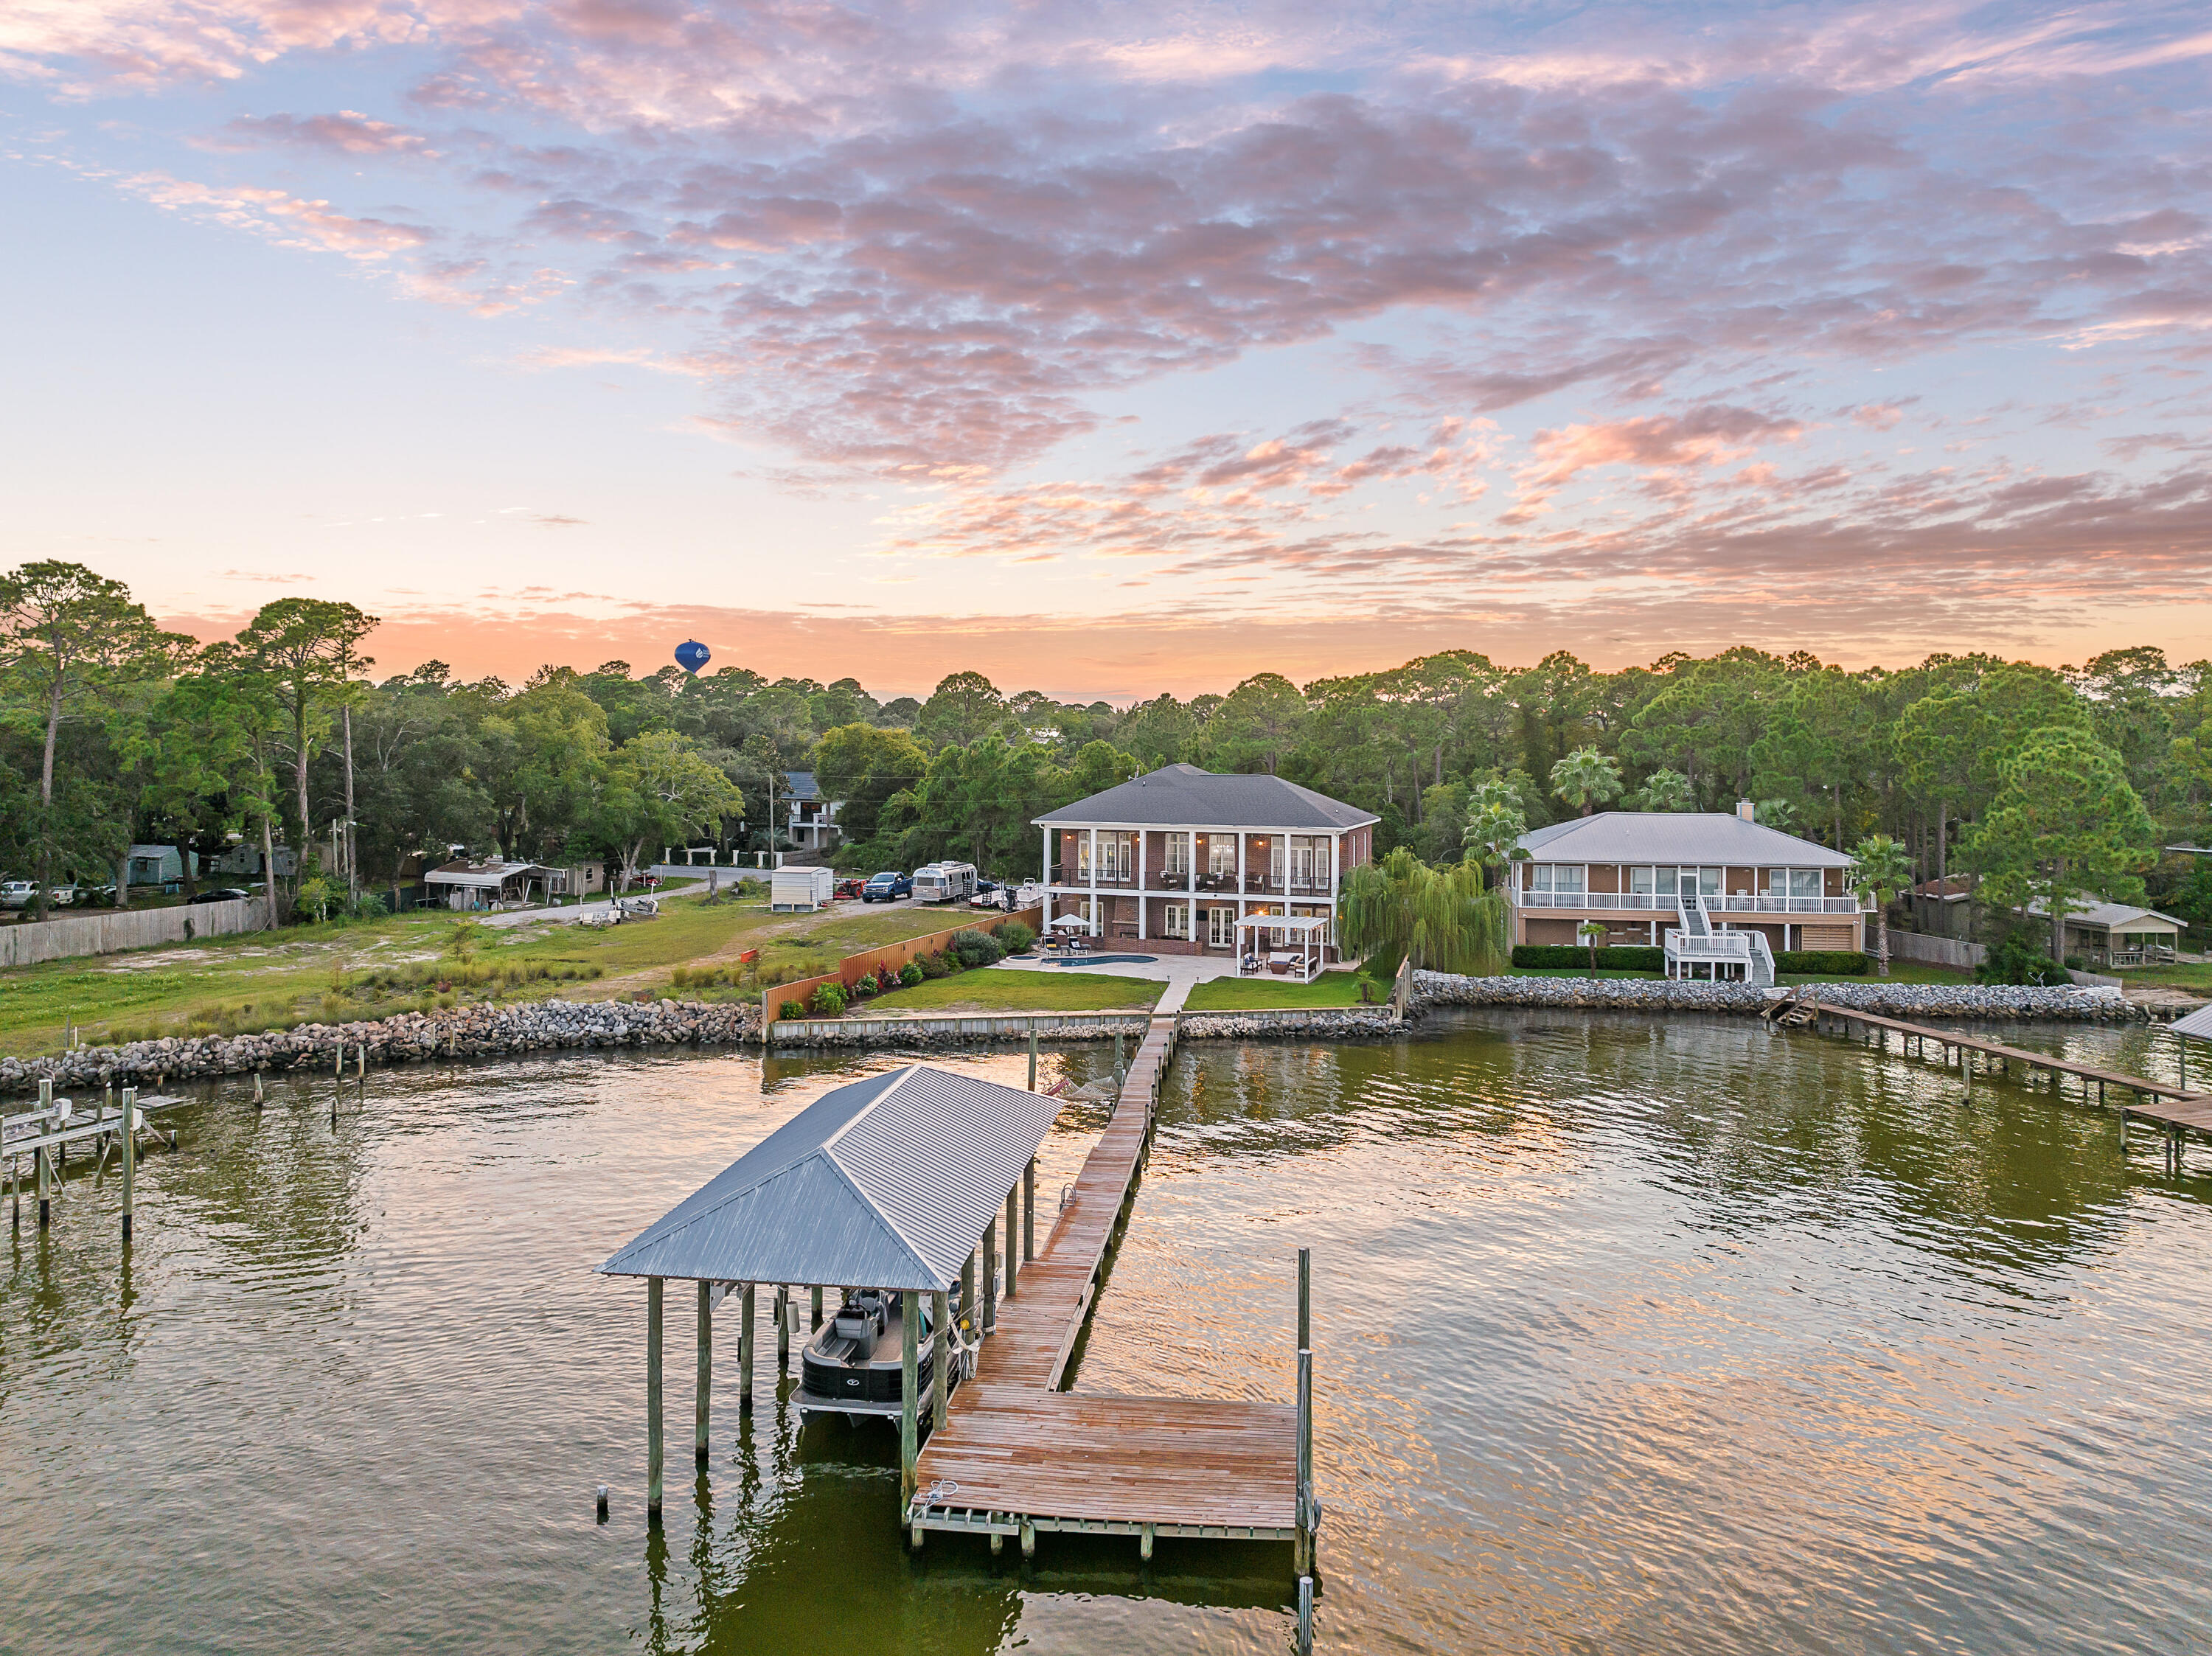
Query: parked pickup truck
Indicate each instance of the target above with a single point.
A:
(886, 888)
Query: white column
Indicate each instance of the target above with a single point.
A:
(1238, 946)
(1096, 929)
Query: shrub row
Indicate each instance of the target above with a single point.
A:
(1822, 963)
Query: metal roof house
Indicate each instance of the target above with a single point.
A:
(1176, 858)
(894, 1182)
(1630, 871)
(490, 883)
(2115, 934)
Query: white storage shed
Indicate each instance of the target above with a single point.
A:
(792, 889)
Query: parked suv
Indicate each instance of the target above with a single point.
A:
(229, 893)
(887, 886)
(17, 893)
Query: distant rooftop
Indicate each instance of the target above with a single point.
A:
(1183, 795)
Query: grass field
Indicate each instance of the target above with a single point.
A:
(1249, 994)
(1013, 991)
(372, 968)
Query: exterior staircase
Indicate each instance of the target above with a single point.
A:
(1694, 943)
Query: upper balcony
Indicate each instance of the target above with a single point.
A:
(1733, 902)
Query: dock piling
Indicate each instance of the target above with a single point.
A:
(1033, 1054)
(815, 1327)
(745, 1352)
(260, 1100)
(705, 1378)
(940, 1355)
(652, 1468)
(1305, 1616)
(990, 1276)
(130, 1158)
(1029, 1211)
(1013, 1198)
(783, 1321)
(909, 1401)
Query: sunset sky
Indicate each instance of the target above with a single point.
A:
(1117, 348)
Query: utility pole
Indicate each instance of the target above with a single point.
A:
(352, 863)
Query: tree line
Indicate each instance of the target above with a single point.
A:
(2032, 779)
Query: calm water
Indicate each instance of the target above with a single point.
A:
(1631, 1337)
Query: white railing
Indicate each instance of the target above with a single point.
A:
(1739, 902)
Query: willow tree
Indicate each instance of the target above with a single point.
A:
(1442, 919)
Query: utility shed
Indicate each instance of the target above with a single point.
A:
(894, 1183)
(793, 889)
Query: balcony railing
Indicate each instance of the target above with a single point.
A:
(1735, 903)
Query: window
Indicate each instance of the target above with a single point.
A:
(1559, 878)
(1308, 862)
(1804, 882)
(1276, 861)
(1116, 855)
(1220, 928)
(1709, 882)
(1178, 863)
(1176, 922)
(1083, 856)
(1221, 854)
(1639, 881)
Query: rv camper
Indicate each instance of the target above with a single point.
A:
(944, 882)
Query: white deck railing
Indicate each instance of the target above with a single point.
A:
(1737, 903)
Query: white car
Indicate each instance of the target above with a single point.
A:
(17, 893)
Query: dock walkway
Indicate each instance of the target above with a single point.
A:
(1017, 1455)
(2175, 1108)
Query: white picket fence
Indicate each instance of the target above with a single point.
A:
(107, 933)
(1931, 950)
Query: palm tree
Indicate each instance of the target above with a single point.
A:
(1883, 870)
(1586, 777)
(1493, 834)
(1592, 933)
(1665, 790)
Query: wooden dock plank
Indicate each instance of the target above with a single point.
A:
(1013, 1443)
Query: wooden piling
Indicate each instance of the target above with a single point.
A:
(1033, 1054)
(705, 1378)
(1013, 1273)
(745, 1353)
(653, 1467)
(909, 1394)
(1305, 1299)
(990, 1275)
(130, 1157)
(1029, 1211)
(968, 1316)
(1305, 1616)
(1304, 1544)
(940, 1356)
(783, 1320)
(42, 1157)
(815, 1327)
(1144, 1542)
(259, 1099)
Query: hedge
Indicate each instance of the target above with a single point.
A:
(1611, 957)
(1822, 963)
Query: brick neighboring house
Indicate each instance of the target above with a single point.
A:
(1625, 870)
(1174, 860)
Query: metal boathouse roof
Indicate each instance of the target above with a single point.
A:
(887, 1182)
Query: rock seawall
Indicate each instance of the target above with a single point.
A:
(463, 1032)
(1336, 1022)
(1897, 1000)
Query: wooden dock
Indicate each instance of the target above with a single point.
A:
(2175, 1108)
(1017, 1455)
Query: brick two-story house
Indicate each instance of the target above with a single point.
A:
(1176, 859)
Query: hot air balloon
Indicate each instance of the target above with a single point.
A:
(691, 656)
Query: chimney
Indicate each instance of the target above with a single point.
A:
(1745, 809)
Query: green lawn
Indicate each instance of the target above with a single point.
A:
(1013, 991)
(1247, 994)
(345, 970)
(2190, 977)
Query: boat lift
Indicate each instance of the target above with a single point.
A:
(46, 1133)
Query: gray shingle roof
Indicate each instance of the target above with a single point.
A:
(1183, 795)
(1675, 837)
(800, 785)
(883, 1183)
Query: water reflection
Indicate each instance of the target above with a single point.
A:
(1632, 1336)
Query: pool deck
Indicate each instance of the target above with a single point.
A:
(1017, 1455)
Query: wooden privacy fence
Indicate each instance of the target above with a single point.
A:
(1935, 951)
(853, 967)
(127, 928)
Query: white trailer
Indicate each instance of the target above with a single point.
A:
(794, 889)
(944, 882)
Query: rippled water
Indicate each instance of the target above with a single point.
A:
(1630, 1335)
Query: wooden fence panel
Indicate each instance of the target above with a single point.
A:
(108, 933)
(853, 967)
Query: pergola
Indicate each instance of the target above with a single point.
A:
(896, 1183)
(1297, 951)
